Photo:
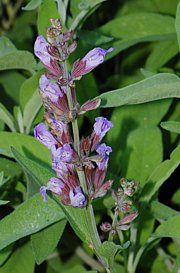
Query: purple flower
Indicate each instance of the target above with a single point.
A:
(55, 185)
(63, 153)
(101, 127)
(41, 51)
(44, 136)
(77, 198)
(59, 126)
(43, 190)
(91, 60)
(61, 159)
(50, 89)
(103, 151)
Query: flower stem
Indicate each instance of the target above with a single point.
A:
(91, 223)
(71, 106)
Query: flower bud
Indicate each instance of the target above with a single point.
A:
(106, 227)
(89, 105)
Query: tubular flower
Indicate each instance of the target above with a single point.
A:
(91, 60)
(69, 191)
(104, 151)
(50, 89)
(41, 51)
(44, 136)
(101, 127)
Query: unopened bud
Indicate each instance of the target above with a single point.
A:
(106, 227)
(72, 47)
(89, 105)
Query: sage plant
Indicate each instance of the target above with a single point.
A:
(80, 164)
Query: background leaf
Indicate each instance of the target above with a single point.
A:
(45, 241)
(33, 4)
(27, 145)
(21, 261)
(30, 217)
(177, 23)
(173, 126)
(169, 228)
(154, 88)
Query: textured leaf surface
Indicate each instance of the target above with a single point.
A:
(45, 241)
(157, 87)
(30, 217)
(134, 28)
(27, 145)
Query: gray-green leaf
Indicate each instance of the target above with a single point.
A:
(172, 126)
(157, 87)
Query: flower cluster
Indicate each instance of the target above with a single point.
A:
(55, 134)
(123, 207)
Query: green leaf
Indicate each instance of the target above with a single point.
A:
(131, 29)
(31, 109)
(7, 118)
(19, 118)
(82, 10)
(172, 126)
(21, 261)
(143, 153)
(93, 38)
(6, 46)
(33, 4)
(160, 175)
(140, 27)
(27, 145)
(30, 217)
(43, 21)
(177, 263)
(11, 58)
(109, 251)
(3, 202)
(39, 173)
(28, 88)
(45, 241)
(10, 168)
(176, 197)
(161, 211)
(126, 120)
(7, 79)
(177, 23)
(77, 219)
(169, 228)
(5, 253)
(162, 52)
(156, 87)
